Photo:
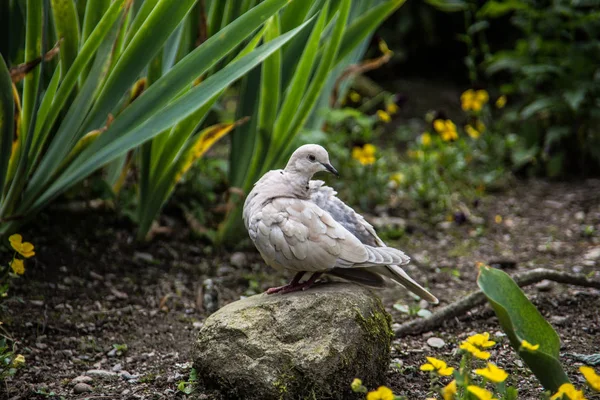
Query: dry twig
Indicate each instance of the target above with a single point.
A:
(477, 298)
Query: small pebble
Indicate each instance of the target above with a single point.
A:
(238, 259)
(545, 285)
(117, 367)
(82, 388)
(81, 379)
(112, 353)
(101, 373)
(436, 342)
(197, 324)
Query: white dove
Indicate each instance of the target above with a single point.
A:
(299, 224)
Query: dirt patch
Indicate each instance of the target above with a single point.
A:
(91, 289)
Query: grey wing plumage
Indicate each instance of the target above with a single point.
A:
(325, 197)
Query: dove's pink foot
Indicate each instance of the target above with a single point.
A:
(293, 284)
(302, 286)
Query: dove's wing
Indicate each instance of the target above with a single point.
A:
(325, 197)
(297, 234)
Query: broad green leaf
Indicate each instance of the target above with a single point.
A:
(521, 321)
(495, 9)
(541, 104)
(7, 109)
(575, 97)
(449, 5)
(33, 50)
(113, 143)
(67, 28)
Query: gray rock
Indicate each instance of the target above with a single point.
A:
(308, 344)
(238, 260)
(436, 342)
(82, 388)
(593, 254)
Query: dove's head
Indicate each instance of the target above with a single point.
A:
(309, 159)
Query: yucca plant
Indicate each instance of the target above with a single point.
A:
(72, 114)
(295, 81)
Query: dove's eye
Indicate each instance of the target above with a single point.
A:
(312, 158)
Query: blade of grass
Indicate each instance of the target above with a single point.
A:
(94, 11)
(33, 50)
(7, 109)
(67, 27)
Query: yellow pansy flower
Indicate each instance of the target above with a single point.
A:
(364, 155)
(492, 373)
(17, 266)
(528, 346)
(569, 390)
(446, 129)
(472, 100)
(437, 366)
(385, 117)
(426, 139)
(382, 393)
(592, 378)
(449, 391)
(480, 393)
(501, 102)
(23, 248)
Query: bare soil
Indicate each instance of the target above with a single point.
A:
(92, 288)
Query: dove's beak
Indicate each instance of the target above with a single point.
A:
(330, 168)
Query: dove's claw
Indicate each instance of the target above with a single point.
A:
(290, 287)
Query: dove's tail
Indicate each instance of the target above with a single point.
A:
(398, 275)
(359, 275)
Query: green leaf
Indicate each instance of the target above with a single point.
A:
(539, 105)
(520, 320)
(7, 109)
(575, 97)
(67, 28)
(449, 5)
(33, 50)
(478, 27)
(495, 9)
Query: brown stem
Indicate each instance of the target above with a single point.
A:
(477, 298)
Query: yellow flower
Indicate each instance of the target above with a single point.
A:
(438, 366)
(382, 393)
(23, 248)
(592, 378)
(480, 393)
(449, 391)
(528, 346)
(419, 154)
(474, 100)
(492, 373)
(569, 390)
(398, 178)
(18, 361)
(17, 266)
(364, 155)
(501, 102)
(446, 129)
(476, 343)
(498, 219)
(354, 96)
(482, 355)
(426, 139)
(391, 108)
(481, 340)
(474, 133)
(385, 117)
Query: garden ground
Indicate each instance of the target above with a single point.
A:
(91, 289)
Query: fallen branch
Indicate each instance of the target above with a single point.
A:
(477, 298)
